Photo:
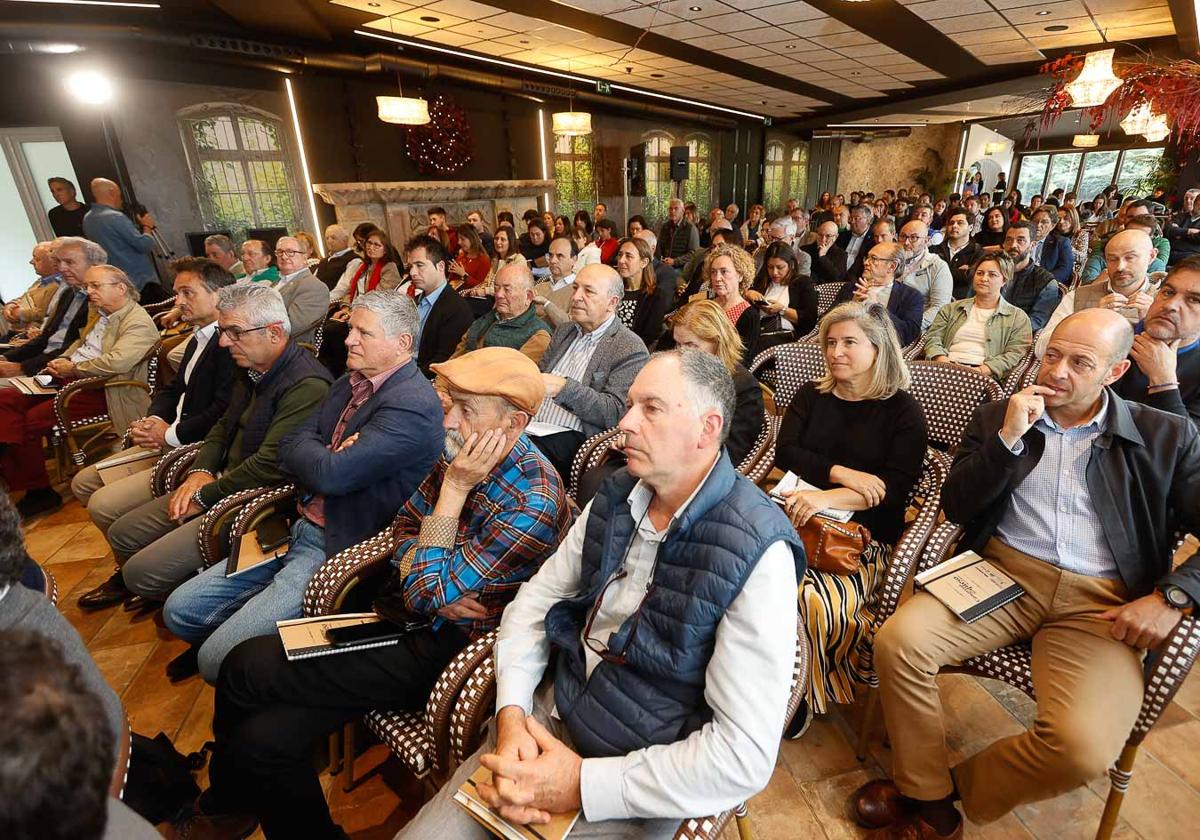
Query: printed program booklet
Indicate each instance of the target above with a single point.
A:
(468, 798)
(969, 586)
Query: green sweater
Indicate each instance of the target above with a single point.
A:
(260, 469)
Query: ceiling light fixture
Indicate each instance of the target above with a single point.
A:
(694, 9)
(402, 110)
(129, 5)
(1159, 129)
(1042, 13)
(1095, 81)
(995, 148)
(90, 87)
(487, 59)
(1086, 141)
(1058, 27)
(571, 123)
(430, 18)
(1139, 120)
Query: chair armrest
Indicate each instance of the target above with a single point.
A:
(116, 785)
(760, 460)
(214, 520)
(445, 694)
(250, 514)
(474, 706)
(169, 469)
(704, 828)
(941, 543)
(592, 453)
(66, 394)
(916, 350)
(1172, 664)
(338, 574)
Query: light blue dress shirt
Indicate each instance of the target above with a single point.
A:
(424, 307)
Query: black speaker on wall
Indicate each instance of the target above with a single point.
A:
(679, 163)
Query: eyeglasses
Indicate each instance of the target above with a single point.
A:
(289, 253)
(600, 648)
(237, 333)
(89, 287)
(912, 237)
(874, 259)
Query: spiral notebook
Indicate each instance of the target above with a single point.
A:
(969, 586)
(304, 638)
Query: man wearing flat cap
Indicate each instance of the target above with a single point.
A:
(480, 524)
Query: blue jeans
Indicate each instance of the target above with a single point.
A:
(221, 612)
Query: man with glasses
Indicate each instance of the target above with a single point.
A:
(478, 527)
(113, 344)
(279, 385)
(670, 611)
(828, 260)
(924, 270)
(305, 297)
(881, 270)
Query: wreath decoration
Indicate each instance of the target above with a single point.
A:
(445, 144)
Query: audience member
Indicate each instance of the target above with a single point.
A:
(644, 305)
(678, 237)
(305, 297)
(66, 217)
(1093, 602)
(1183, 230)
(1134, 213)
(184, 409)
(880, 284)
(636, 224)
(338, 254)
(587, 369)
(1128, 289)
(730, 271)
(1165, 373)
(984, 332)
(1033, 288)
(924, 270)
(376, 270)
(924, 213)
(480, 524)
(958, 251)
(308, 244)
(828, 260)
(633, 771)
(355, 461)
(553, 296)
(513, 320)
(859, 437)
(856, 240)
(220, 249)
(752, 226)
(115, 343)
(882, 230)
(995, 227)
(67, 311)
(1070, 226)
(444, 315)
(534, 244)
(129, 246)
(780, 291)
(439, 229)
(32, 306)
(486, 238)
(470, 267)
(589, 250)
(1051, 250)
(154, 544)
(606, 239)
(504, 252)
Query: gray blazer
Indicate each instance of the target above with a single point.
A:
(307, 302)
(598, 401)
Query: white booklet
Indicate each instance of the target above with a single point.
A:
(969, 586)
(791, 482)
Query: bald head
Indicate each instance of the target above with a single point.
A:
(106, 192)
(914, 236)
(1106, 330)
(1128, 255)
(596, 296)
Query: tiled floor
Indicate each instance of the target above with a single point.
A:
(805, 799)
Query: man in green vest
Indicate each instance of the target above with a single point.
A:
(513, 320)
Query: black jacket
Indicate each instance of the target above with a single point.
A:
(1143, 479)
(906, 306)
(960, 266)
(748, 413)
(32, 355)
(830, 268)
(206, 396)
(856, 268)
(444, 328)
(330, 270)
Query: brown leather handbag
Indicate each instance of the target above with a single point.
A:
(833, 546)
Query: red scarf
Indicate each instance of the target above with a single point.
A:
(376, 271)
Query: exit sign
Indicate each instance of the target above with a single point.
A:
(767, 121)
(603, 86)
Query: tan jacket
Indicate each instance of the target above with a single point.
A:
(123, 354)
(34, 302)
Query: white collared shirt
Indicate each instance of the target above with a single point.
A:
(551, 417)
(201, 337)
(92, 345)
(284, 279)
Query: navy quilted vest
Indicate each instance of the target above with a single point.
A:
(657, 696)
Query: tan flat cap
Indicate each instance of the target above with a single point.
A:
(496, 371)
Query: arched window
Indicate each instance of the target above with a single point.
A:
(796, 174)
(658, 177)
(574, 175)
(698, 186)
(241, 165)
(773, 177)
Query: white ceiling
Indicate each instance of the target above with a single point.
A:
(792, 39)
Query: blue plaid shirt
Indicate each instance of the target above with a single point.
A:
(509, 525)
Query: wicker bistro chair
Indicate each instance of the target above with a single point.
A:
(171, 467)
(1166, 670)
(790, 365)
(79, 434)
(826, 297)
(226, 522)
(156, 309)
(1011, 383)
(914, 351)
(478, 696)
(949, 395)
(421, 740)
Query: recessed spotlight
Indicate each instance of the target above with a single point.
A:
(1042, 13)
(1058, 27)
(694, 9)
(374, 5)
(789, 46)
(522, 42)
(430, 18)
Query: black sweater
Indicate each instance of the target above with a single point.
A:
(1184, 400)
(886, 438)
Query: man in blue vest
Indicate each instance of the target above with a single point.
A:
(671, 607)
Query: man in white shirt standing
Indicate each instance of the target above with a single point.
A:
(709, 743)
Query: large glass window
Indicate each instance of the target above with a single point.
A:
(796, 174)
(1032, 175)
(28, 156)
(574, 175)
(658, 178)
(698, 186)
(1098, 171)
(241, 168)
(773, 177)
(1064, 169)
(1138, 168)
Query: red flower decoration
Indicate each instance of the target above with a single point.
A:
(444, 145)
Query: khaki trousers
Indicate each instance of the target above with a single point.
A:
(1089, 689)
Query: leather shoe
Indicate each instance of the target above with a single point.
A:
(213, 827)
(914, 828)
(879, 803)
(108, 594)
(184, 665)
(133, 603)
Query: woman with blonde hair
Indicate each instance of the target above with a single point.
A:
(644, 305)
(859, 438)
(730, 271)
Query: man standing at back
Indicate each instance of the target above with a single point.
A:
(67, 218)
(128, 245)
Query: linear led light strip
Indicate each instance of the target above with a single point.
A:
(312, 202)
(130, 5)
(878, 125)
(569, 76)
(542, 146)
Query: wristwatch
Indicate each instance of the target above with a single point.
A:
(1175, 597)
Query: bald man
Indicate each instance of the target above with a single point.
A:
(1076, 494)
(1128, 290)
(828, 260)
(128, 245)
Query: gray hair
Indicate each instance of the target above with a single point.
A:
(260, 305)
(396, 310)
(786, 225)
(121, 277)
(221, 241)
(720, 224)
(862, 210)
(647, 236)
(521, 270)
(92, 252)
(675, 201)
(337, 230)
(895, 253)
(707, 383)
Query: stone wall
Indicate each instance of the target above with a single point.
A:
(878, 165)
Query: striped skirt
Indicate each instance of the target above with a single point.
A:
(838, 613)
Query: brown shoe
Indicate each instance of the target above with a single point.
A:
(879, 803)
(914, 828)
(217, 827)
